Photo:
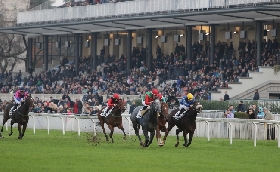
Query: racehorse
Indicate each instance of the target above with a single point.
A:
(148, 122)
(161, 123)
(187, 123)
(21, 116)
(114, 119)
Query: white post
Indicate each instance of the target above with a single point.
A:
(63, 128)
(278, 135)
(94, 129)
(6, 126)
(79, 130)
(230, 133)
(48, 123)
(255, 137)
(34, 127)
(208, 134)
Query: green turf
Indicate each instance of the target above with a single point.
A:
(55, 152)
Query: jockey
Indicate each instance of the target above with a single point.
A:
(185, 104)
(112, 102)
(19, 97)
(149, 98)
(161, 98)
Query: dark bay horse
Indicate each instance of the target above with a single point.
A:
(187, 123)
(162, 119)
(114, 119)
(21, 116)
(149, 122)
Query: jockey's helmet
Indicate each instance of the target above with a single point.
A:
(149, 94)
(190, 96)
(155, 92)
(116, 96)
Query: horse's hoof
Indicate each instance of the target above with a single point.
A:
(10, 134)
(185, 145)
(160, 145)
(124, 137)
(1, 130)
(107, 140)
(176, 145)
(19, 137)
(141, 144)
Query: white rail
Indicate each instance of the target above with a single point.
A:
(208, 127)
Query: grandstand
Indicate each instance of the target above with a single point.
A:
(206, 47)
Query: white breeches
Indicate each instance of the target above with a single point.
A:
(183, 107)
(17, 101)
(143, 103)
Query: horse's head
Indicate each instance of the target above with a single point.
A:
(156, 105)
(120, 105)
(197, 107)
(29, 101)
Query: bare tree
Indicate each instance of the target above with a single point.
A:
(12, 46)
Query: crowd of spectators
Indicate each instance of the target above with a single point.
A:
(89, 2)
(194, 75)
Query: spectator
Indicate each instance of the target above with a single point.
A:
(132, 107)
(241, 107)
(226, 96)
(256, 95)
(251, 113)
(229, 114)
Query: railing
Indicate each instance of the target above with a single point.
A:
(137, 7)
(206, 127)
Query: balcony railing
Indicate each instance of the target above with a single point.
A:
(137, 7)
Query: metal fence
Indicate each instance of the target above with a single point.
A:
(136, 7)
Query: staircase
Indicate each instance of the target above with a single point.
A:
(246, 85)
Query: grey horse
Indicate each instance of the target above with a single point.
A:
(149, 122)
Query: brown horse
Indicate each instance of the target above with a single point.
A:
(161, 123)
(21, 116)
(187, 123)
(114, 119)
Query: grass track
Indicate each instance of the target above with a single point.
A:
(55, 152)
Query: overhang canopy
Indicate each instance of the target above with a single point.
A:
(222, 16)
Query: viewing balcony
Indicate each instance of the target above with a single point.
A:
(129, 8)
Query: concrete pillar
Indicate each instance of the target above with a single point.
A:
(29, 54)
(46, 53)
(77, 53)
(93, 46)
(128, 51)
(259, 35)
(150, 48)
(212, 44)
(189, 42)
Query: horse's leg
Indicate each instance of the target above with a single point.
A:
(11, 128)
(136, 129)
(165, 130)
(185, 137)
(177, 133)
(190, 138)
(158, 135)
(23, 129)
(170, 126)
(103, 128)
(19, 131)
(145, 132)
(120, 126)
(112, 131)
(152, 134)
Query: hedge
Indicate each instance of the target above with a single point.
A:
(272, 105)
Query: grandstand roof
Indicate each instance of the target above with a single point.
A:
(179, 19)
